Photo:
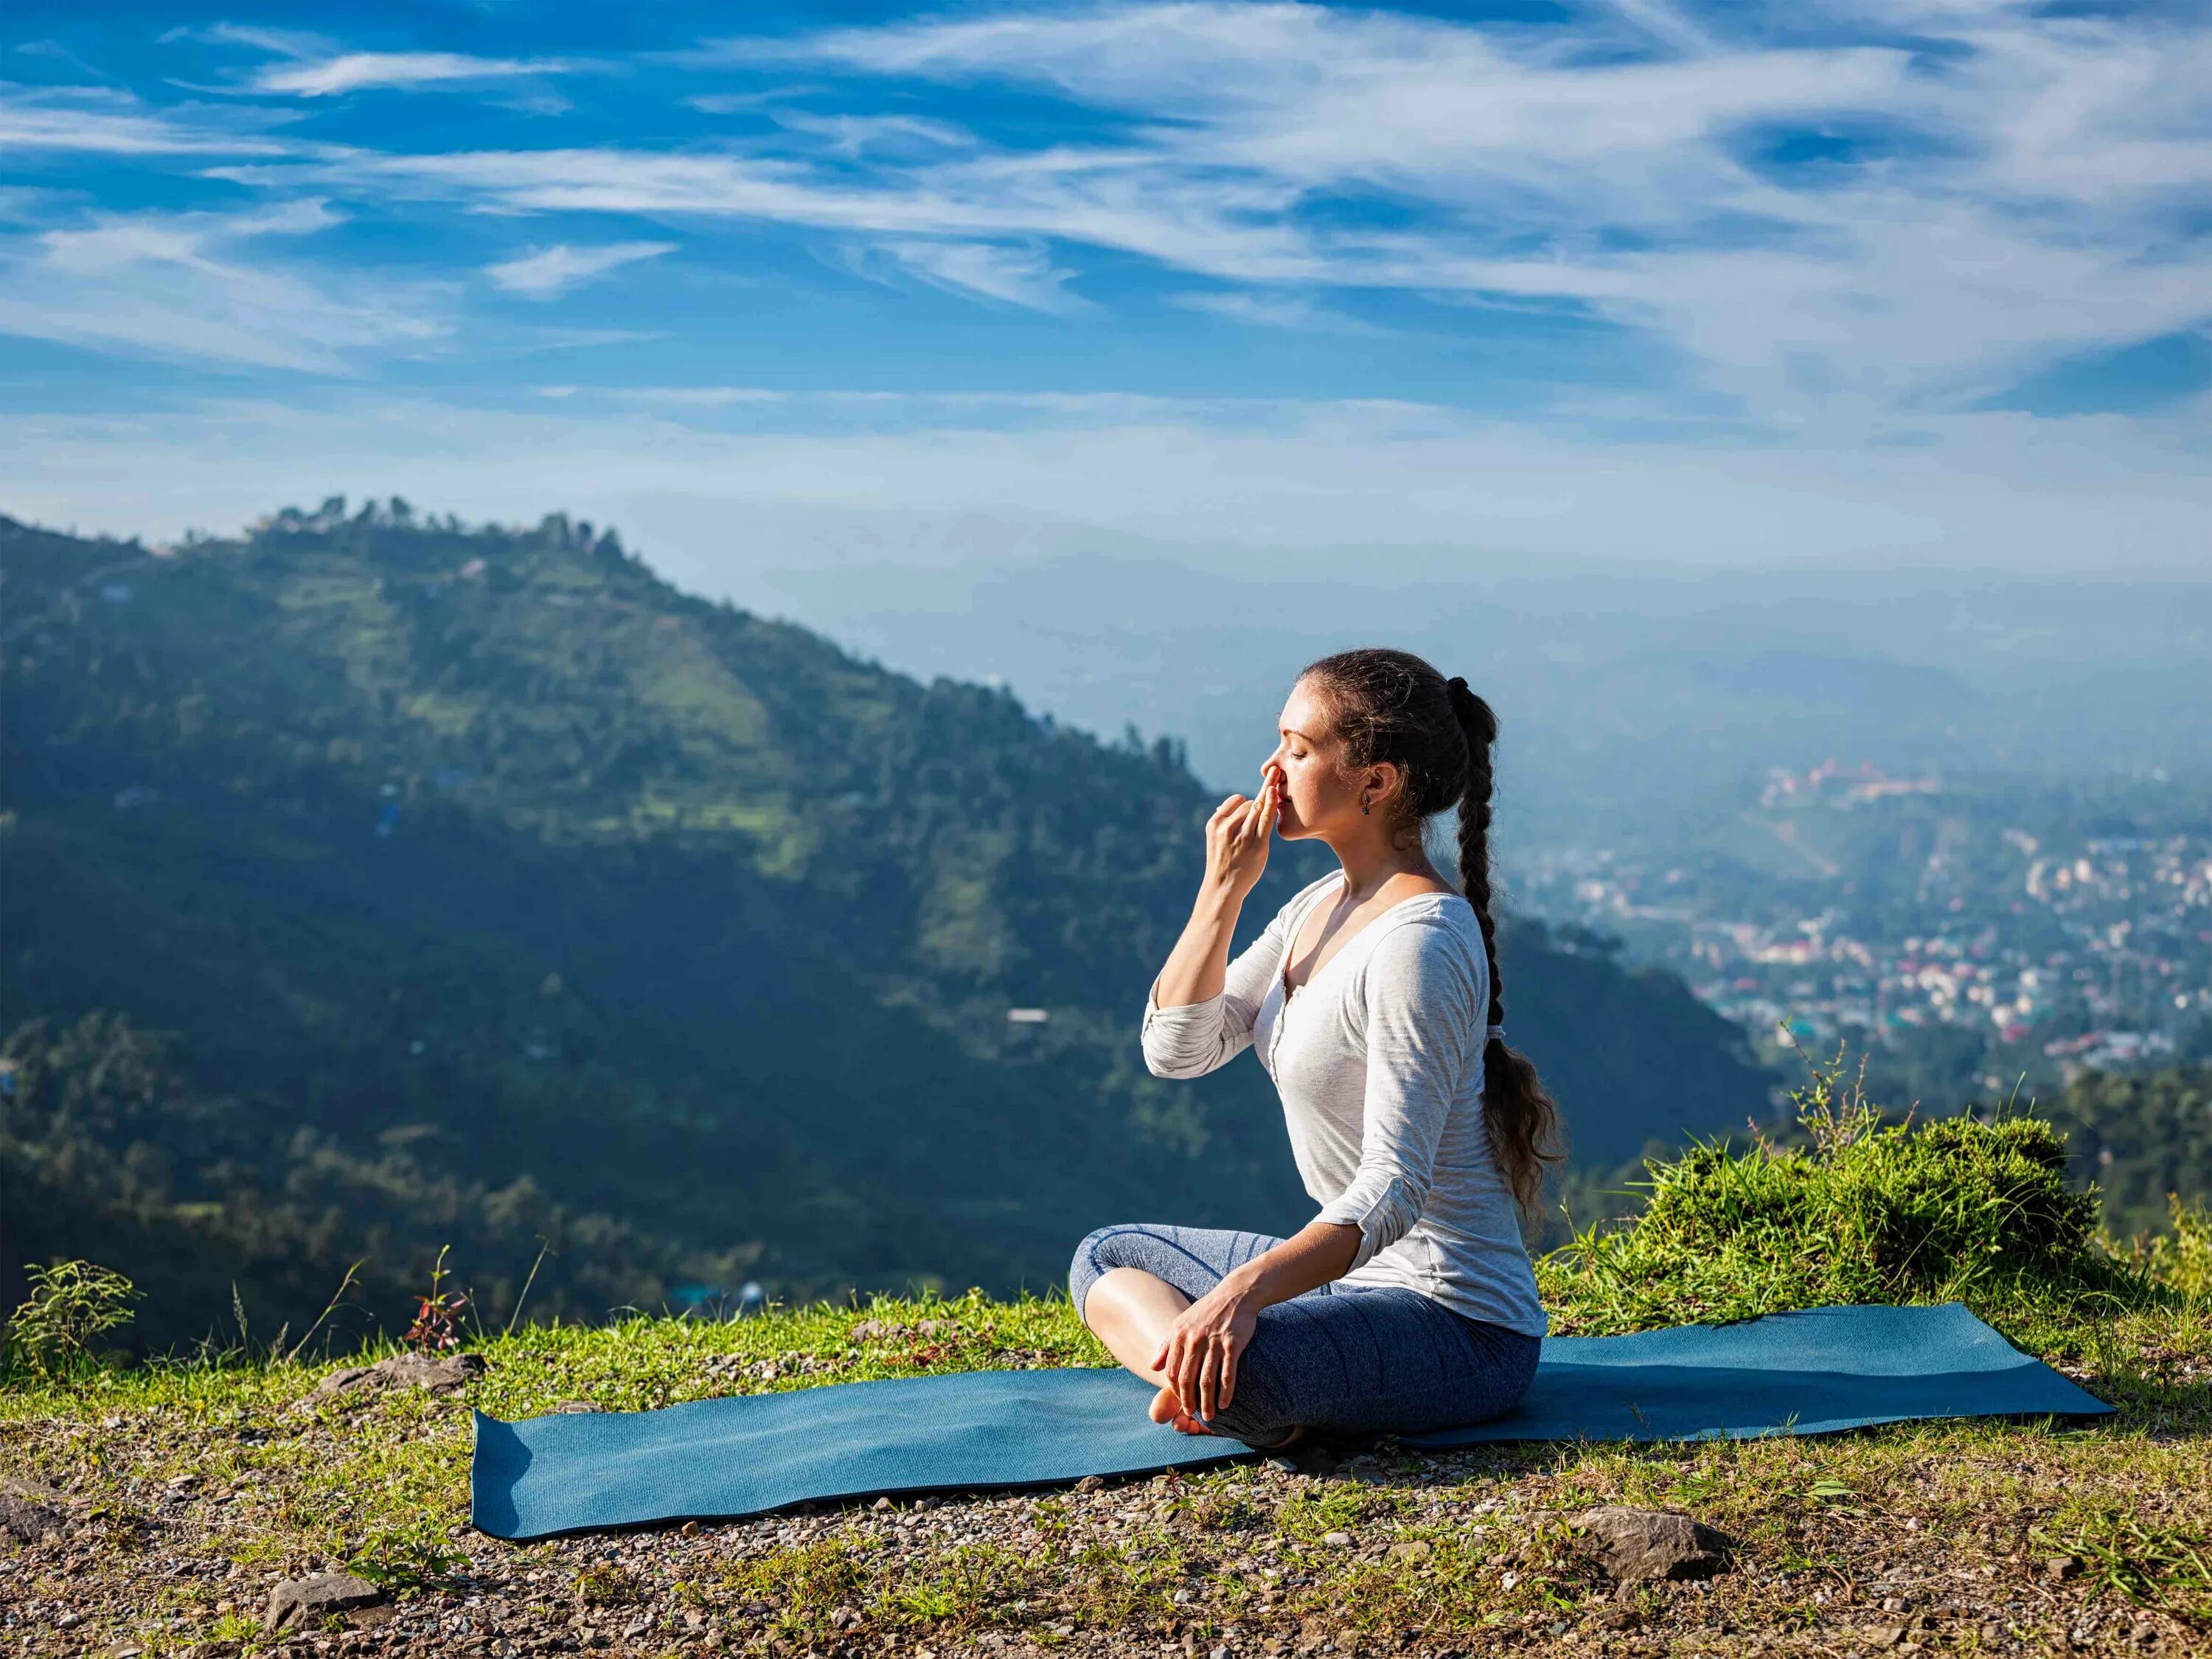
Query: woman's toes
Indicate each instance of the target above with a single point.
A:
(1186, 1424)
(1165, 1407)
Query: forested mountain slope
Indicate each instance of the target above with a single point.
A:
(373, 884)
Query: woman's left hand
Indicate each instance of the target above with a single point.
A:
(1198, 1361)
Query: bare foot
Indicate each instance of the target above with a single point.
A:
(1166, 1408)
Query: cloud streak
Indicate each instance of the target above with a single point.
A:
(89, 121)
(185, 287)
(1024, 277)
(360, 71)
(315, 67)
(547, 273)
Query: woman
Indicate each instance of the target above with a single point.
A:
(1373, 1001)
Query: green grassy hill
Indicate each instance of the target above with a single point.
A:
(375, 884)
(185, 1489)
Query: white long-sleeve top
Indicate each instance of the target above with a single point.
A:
(1378, 1061)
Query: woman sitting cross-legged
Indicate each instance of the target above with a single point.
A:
(1372, 999)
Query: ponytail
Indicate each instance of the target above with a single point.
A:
(1518, 1113)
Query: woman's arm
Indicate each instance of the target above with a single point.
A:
(1424, 1025)
(1199, 1013)
(1189, 1039)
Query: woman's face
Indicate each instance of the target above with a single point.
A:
(1316, 795)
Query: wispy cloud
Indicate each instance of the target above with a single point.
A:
(185, 287)
(1023, 276)
(1287, 311)
(357, 71)
(853, 136)
(547, 273)
(316, 66)
(59, 54)
(103, 121)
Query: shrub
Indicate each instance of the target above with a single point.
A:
(1959, 1209)
(2182, 1260)
(71, 1305)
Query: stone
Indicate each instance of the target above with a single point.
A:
(1091, 1483)
(1639, 1544)
(2063, 1567)
(1306, 1457)
(576, 1408)
(306, 1603)
(1411, 1549)
(437, 1373)
(1882, 1636)
(29, 1511)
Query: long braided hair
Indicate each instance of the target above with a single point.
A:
(1391, 706)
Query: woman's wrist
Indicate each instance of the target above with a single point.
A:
(1247, 1286)
(1220, 899)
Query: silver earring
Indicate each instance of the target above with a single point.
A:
(1363, 806)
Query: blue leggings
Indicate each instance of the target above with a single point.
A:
(1343, 1359)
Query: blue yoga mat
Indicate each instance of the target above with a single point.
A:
(1811, 1372)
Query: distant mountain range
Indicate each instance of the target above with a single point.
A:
(1639, 704)
(374, 884)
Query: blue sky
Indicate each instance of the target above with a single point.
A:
(1736, 283)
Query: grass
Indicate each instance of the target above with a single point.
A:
(1469, 1548)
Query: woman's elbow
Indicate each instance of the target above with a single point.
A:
(1160, 1063)
(1403, 1200)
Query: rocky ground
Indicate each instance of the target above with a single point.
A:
(317, 1510)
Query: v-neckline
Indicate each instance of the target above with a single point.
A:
(1290, 990)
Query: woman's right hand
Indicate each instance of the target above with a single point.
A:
(1238, 835)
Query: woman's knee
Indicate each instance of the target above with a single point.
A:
(1093, 1258)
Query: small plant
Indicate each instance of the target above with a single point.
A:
(1316, 1511)
(603, 1584)
(1222, 1509)
(404, 1562)
(2182, 1260)
(437, 1325)
(71, 1305)
(831, 1573)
